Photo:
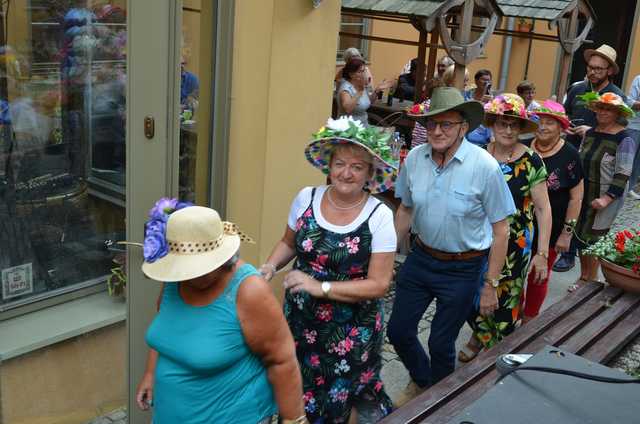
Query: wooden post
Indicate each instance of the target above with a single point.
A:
(422, 54)
(465, 35)
(433, 55)
(567, 56)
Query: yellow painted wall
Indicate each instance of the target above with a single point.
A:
(283, 67)
(70, 382)
(542, 62)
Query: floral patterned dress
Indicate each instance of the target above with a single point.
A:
(521, 175)
(337, 344)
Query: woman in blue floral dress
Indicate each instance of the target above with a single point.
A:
(343, 241)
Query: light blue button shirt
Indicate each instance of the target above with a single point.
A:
(453, 208)
(634, 96)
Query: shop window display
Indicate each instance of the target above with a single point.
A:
(62, 146)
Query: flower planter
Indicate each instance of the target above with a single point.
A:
(621, 277)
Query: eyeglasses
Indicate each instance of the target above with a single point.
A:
(445, 126)
(361, 71)
(502, 126)
(596, 69)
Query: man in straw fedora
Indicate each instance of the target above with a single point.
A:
(601, 66)
(454, 198)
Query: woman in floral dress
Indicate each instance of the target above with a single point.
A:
(526, 176)
(344, 242)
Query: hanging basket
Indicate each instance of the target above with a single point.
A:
(621, 277)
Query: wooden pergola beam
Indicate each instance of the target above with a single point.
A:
(388, 40)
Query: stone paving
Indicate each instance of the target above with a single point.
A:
(396, 377)
(119, 416)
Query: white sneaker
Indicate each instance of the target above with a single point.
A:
(634, 195)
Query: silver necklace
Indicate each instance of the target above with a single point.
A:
(343, 208)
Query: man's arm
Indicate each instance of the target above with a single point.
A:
(403, 222)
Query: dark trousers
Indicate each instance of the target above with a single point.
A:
(455, 286)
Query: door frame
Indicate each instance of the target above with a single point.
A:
(149, 37)
(153, 89)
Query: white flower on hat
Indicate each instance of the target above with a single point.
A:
(342, 123)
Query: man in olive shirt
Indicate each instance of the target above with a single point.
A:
(455, 198)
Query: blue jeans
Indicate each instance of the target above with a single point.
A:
(455, 286)
(635, 170)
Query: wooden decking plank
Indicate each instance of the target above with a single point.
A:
(566, 328)
(455, 406)
(590, 333)
(466, 376)
(616, 339)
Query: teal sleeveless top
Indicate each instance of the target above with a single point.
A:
(206, 373)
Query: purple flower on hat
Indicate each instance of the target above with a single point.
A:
(155, 226)
(163, 208)
(155, 230)
(155, 247)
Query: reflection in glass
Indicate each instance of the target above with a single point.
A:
(62, 145)
(195, 101)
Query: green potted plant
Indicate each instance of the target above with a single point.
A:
(117, 281)
(619, 256)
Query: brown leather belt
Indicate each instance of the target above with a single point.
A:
(446, 256)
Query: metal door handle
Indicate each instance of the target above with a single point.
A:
(149, 127)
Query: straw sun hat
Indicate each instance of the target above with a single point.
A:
(606, 52)
(347, 130)
(184, 241)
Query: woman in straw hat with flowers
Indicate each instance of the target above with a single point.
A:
(343, 242)
(565, 187)
(607, 153)
(525, 175)
(221, 351)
